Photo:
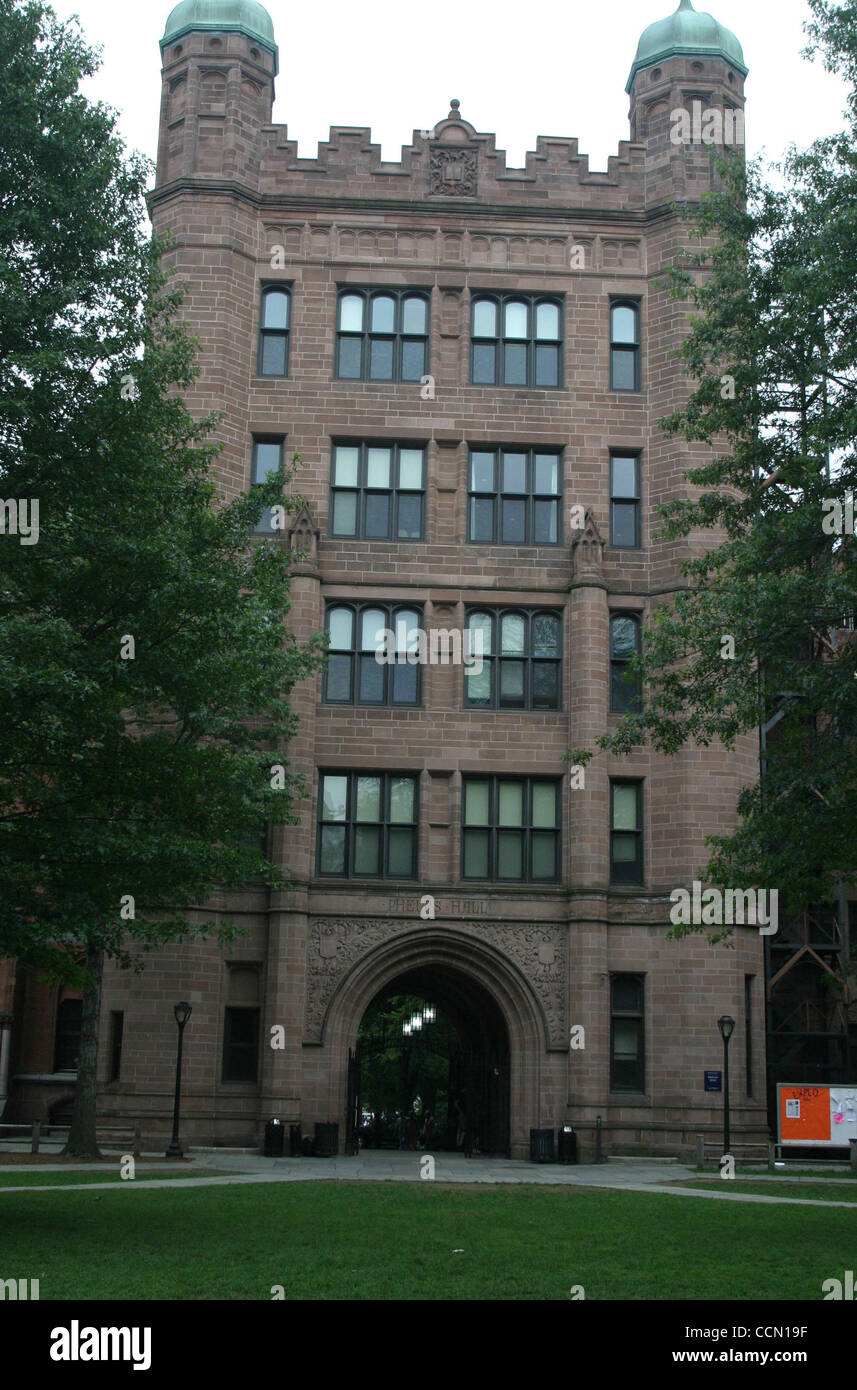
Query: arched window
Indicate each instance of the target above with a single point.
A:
(374, 655)
(625, 642)
(625, 346)
(274, 327)
(515, 660)
(516, 340)
(382, 335)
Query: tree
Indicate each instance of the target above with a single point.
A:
(762, 633)
(145, 668)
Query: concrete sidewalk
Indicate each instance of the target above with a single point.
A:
(663, 1176)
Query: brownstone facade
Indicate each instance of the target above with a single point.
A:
(452, 223)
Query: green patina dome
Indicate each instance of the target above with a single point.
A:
(230, 16)
(687, 31)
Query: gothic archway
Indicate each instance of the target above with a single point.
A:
(508, 1028)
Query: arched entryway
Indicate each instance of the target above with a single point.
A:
(500, 1024)
(432, 1066)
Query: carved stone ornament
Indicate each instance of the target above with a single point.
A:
(540, 953)
(304, 537)
(587, 548)
(452, 171)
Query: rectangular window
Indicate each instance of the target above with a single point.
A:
(377, 491)
(367, 825)
(626, 832)
(625, 639)
(625, 374)
(241, 1045)
(514, 497)
(382, 335)
(516, 340)
(274, 326)
(627, 1034)
(117, 1024)
(373, 655)
(519, 652)
(625, 503)
(748, 1032)
(267, 457)
(511, 829)
(67, 1036)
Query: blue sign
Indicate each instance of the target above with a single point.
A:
(714, 1081)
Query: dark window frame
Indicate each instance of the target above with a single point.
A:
(638, 1016)
(493, 828)
(363, 490)
(749, 981)
(263, 526)
(391, 611)
(248, 1050)
(398, 337)
(350, 824)
(635, 349)
(617, 499)
(117, 1031)
(529, 659)
(530, 496)
(626, 872)
(632, 694)
(67, 1035)
(281, 333)
(499, 341)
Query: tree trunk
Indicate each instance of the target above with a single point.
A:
(82, 1140)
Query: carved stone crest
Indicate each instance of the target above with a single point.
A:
(452, 171)
(336, 944)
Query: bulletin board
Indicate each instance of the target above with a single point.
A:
(817, 1115)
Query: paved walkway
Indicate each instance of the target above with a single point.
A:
(635, 1175)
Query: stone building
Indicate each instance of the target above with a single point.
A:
(471, 362)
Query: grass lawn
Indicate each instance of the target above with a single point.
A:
(398, 1241)
(807, 1190)
(73, 1179)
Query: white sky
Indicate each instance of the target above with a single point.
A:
(562, 72)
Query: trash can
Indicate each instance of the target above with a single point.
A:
(326, 1141)
(566, 1145)
(306, 1146)
(541, 1146)
(294, 1141)
(274, 1136)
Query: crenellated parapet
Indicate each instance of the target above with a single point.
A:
(452, 163)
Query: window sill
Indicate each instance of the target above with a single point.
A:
(65, 1076)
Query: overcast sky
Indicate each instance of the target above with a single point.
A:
(540, 69)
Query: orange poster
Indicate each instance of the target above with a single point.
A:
(804, 1114)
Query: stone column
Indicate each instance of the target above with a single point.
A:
(588, 804)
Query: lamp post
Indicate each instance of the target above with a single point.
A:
(182, 1012)
(726, 1026)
